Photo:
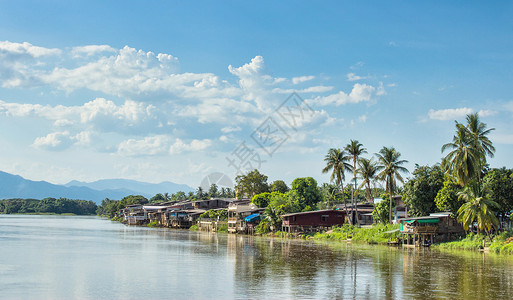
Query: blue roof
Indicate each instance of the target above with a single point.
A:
(252, 218)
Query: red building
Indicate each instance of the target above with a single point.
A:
(313, 220)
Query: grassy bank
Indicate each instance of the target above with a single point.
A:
(500, 243)
(377, 234)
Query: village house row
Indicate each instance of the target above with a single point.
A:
(244, 216)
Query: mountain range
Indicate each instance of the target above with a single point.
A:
(15, 186)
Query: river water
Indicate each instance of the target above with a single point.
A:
(66, 257)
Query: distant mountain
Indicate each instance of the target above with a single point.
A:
(14, 186)
(140, 188)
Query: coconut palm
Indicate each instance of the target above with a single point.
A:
(337, 162)
(368, 170)
(477, 208)
(479, 140)
(391, 168)
(464, 161)
(355, 149)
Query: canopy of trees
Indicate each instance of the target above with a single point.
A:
(48, 205)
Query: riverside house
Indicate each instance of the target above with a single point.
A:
(238, 211)
(427, 230)
(313, 220)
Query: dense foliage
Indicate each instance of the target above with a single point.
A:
(251, 184)
(420, 191)
(48, 205)
(109, 208)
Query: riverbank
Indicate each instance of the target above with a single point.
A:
(501, 243)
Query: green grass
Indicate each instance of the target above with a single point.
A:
(152, 224)
(499, 244)
(377, 234)
(470, 242)
(194, 228)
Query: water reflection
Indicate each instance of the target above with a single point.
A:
(91, 258)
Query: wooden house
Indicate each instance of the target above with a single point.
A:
(313, 220)
(178, 218)
(429, 229)
(134, 215)
(237, 212)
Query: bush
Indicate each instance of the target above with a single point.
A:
(470, 242)
(194, 228)
(152, 224)
(377, 234)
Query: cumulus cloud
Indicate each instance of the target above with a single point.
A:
(25, 49)
(300, 79)
(61, 140)
(359, 93)
(180, 146)
(152, 145)
(487, 113)
(354, 77)
(449, 114)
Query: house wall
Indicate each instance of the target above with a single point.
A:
(316, 219)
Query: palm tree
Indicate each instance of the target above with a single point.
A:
(477, 208)
(355, 149)
(368, 170)
(336, 161)
(479, 140)
(464, 161)
(391, 168)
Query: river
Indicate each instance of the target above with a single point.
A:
(66, 257)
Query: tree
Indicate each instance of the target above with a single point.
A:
(199, 193)
(479, 140)
(447, 197)
(251, 184)
(469, 146)
(498, 185)
(368, 170)
(337, 162)
(213, 191)
(305, 193)
(262, 200)
(477, 207)
(420, 191)
(279, 186)
(382, 208)
(355, 149)
(391, 168)
(157, 198)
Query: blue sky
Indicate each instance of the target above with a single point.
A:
(160, 91)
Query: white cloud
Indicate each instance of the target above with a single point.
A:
(180, 146)
(487, 113)
(359, 93)
(229, 129)
(449, 114)
(11, 49)
(152, 145)
(90, 50)
(362, 118)
(300, 79)
(353, 77)
(53, 141)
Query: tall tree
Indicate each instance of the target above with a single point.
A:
(337, 162)
(355, 149)
(391, 168)
(279, 186)
(420, 191)
(479, 140)
(469, 146)
(368, 170)
(251, 184)
(477, 207)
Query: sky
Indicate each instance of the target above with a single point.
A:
(174, 91)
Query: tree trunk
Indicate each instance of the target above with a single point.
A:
(345, 207)
(354, 192)
(390, 196)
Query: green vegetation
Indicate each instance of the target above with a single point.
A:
(377, 234)
(47, 206)
(194, 228)
(109, 208)
(152, 224)
(218, 214)
(420, 191)
(251, 184)
(470, 242)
